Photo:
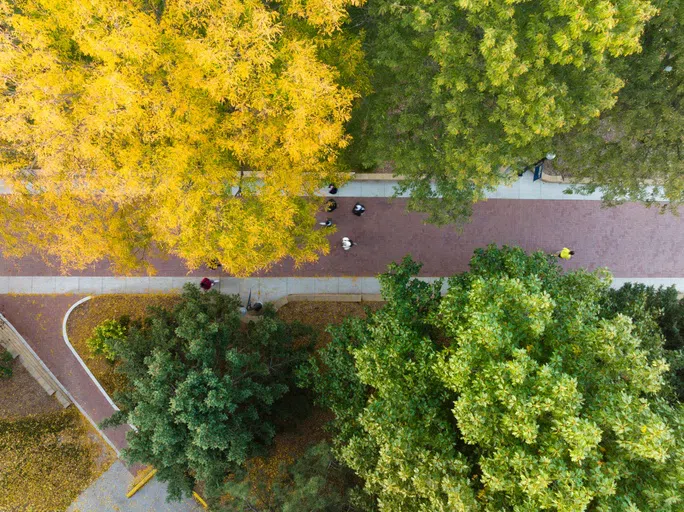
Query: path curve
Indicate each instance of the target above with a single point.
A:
(39, 319)
(65, 336)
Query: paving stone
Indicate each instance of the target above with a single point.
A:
(349, 285)
(160, 284)
(272, 288)
(326, 285)
(43, 284)
(20, 284)
(137, 284)
(113, 285)
(298, 285)
(230, 286)
(247, 285)
(369, 285)
(90, 285)
(177, 283)
(66, 284)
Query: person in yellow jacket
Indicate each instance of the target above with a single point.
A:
(566, 253)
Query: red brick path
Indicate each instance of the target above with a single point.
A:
(631, 240)
(38, 318)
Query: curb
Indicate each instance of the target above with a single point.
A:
(148, 476)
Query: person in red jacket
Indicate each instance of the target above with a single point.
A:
(207, 283)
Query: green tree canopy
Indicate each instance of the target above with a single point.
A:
(658, 315)
(512, 392)
(468, 88)
(635, 151)
(203, 388)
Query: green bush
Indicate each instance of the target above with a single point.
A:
(5, 364)
(104, 335)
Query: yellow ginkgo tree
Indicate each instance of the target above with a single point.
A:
(126, 127)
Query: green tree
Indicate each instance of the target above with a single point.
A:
(466, 89)
(634, 150)
(203, 388)
(515, 391)
(658, 315)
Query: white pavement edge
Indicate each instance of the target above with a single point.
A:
(264, 289)
(78, 357)
(65, 336)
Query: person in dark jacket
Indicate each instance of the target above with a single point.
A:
(330, 205)
(332, 189)
(358, 209)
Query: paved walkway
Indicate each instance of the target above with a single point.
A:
(108, 494)
(38, 318)
(631, 240)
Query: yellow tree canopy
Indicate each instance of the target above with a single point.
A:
(125, 127)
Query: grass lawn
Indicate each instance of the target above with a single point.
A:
(92, 313)
(48, 454)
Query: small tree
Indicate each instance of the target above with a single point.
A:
(203, 388)
(517, 390)
(104, 336)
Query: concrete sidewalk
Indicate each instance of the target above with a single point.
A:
(263, 288)
(108, 494)
(523, 188)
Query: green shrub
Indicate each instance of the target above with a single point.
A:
(5, 364)
(104, 335)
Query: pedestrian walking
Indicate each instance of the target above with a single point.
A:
(332, 189)
(328, 223)
(358, 209)
(566, 253)
(207, 283)
(330, 205)
(347, 243)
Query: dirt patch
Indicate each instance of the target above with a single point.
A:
(48, 460)
(21, 395)
(92, 313)
(321, 314)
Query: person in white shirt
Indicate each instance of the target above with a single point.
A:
(347, 243)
